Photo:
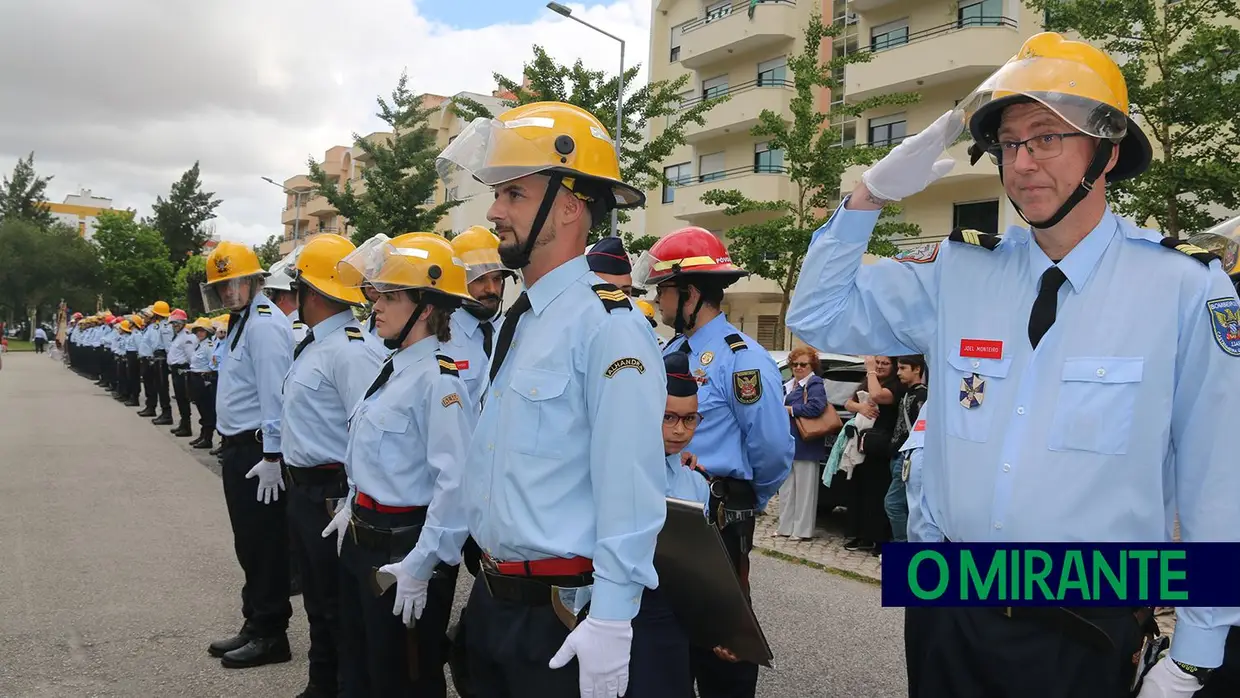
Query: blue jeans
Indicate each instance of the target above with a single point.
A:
(896, 501)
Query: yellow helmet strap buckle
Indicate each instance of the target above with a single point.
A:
(1102, 155)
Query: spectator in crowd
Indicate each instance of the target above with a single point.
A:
(804, 396)
(40, 340)
(867, 519)
(911, 371)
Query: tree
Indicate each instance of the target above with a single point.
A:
(269, 252)
(400, 178)
(1181, 65)
(641, 159)
(136, 265)
(181, 219)
(815, 162)
(186, 285)
(41, 266)
(22, 195)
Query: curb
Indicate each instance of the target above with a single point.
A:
(795, 559)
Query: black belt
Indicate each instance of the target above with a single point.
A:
(245, 437)
(395, 542)
(1075, 622)
(531, 591)
(732, 501)
(328, 474)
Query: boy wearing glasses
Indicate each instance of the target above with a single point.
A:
(685, 479)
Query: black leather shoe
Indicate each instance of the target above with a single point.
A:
(315, 691)
(206, 443)
(183, 431)
(162, 420)
(257, 652)
(148, 412)
(130, 403)
(219, 648)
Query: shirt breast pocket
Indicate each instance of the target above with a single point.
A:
(536, 410)
(1097, 401)
(308, 380)
(974, 383)
(387, 435)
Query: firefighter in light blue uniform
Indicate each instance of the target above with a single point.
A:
(1085, 395)
(474, 327)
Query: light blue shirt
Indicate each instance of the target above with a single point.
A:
(146, 341)
(181, 350)
(1120, 418)
(738, 438)
(252, 374)
(325, 382)
(921, 526)
(566, 461)
(219, 353)
(299, 327)
(39, 333)
(466, 348)
(131, 342)
(200, 361)
(370, 325)
(684, 482)
(407, 445)
(166, 335)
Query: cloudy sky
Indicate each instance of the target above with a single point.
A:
(122, 96)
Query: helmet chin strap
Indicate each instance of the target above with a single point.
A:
(1096, 166)
(681, 325)
(544, 210)
(404, 332)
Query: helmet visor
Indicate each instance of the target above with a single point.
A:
(644, 271)
(363, 262)
(1070, 89)
(230, 294)
(490, 152)
(404, 268)
(1227, 249)
(479, 263)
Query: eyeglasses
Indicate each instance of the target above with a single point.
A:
(1042, 147)
(689, 420)
(800, 364)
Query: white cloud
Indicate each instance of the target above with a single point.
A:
(123, 96)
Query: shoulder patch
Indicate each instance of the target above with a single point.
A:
(299, 325)
(922, 254)
(354, 334)
(1225, 324)
(974, 237)
(1198, 253)
(747, 386)
(451, 400)
(446, 365)
(263, 309)
(613, 298)
(620, 364)
(736, 343)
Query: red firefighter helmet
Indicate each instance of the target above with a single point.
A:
(687, 252)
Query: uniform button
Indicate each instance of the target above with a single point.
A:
(998, 526)
(977, 364)
(490, 447)
(1020, 410)
(1102, 372)
(1007, 467)
(533, 391)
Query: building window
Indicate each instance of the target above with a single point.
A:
(889, 35)
(987, 13)
(674, 54)
(773, 73)
(715, 87)
(718, 10)
(888, 130)
(766, 330)
(767, 160)
(711, 167)
(677, 175)
(977, 215)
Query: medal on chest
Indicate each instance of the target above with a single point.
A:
(700, 376)
(972, 391)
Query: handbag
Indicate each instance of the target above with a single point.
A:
(825, 424)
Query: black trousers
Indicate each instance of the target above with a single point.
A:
(980, 653)
(202, 392)
(378, 655)
(320, 572)
(180, 388)
(260, 538)
(715, 677)
(1225, 681)
(510, 643)
(148, 383)
(135, 374)
(39, 344)
(160, 374)
(120, 384)
(867, 517)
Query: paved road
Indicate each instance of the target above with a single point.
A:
(117, 569)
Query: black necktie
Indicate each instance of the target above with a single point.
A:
(506, 332)
(684, 348)
(382, 378)
(488, 331)
(303, 344)
(239, 320)
(1045, 305)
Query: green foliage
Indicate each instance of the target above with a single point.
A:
(136, 264)
(186, 285)
(41, 266)
(23, 194)
(774, 247)
(1181, 69)
(181, 219)
(641, 160)
(400, 176)
(269, 252)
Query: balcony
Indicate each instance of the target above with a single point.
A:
(968, 51)
(319, 207)
(867, 5)
(759, 186)
(729, 33)
(290, 214)
(962, 172)
(740, 112)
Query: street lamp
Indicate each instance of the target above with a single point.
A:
(296, 209)
(568, 12)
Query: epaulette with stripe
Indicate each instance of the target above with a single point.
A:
(354, 334)
(1200, 254)
(263, 309)
(736, 343)
(299, 325)
(446, 365)
(613, 298)
(975, 237)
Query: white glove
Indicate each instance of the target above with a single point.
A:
(1166, 680)
(914, 164)
(602, 651)
(270, 480)
(340, 523)
(410, 594)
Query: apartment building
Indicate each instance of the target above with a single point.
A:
(80, 211)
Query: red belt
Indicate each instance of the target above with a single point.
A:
(367, 502)
(549, 567)
(327, 466)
